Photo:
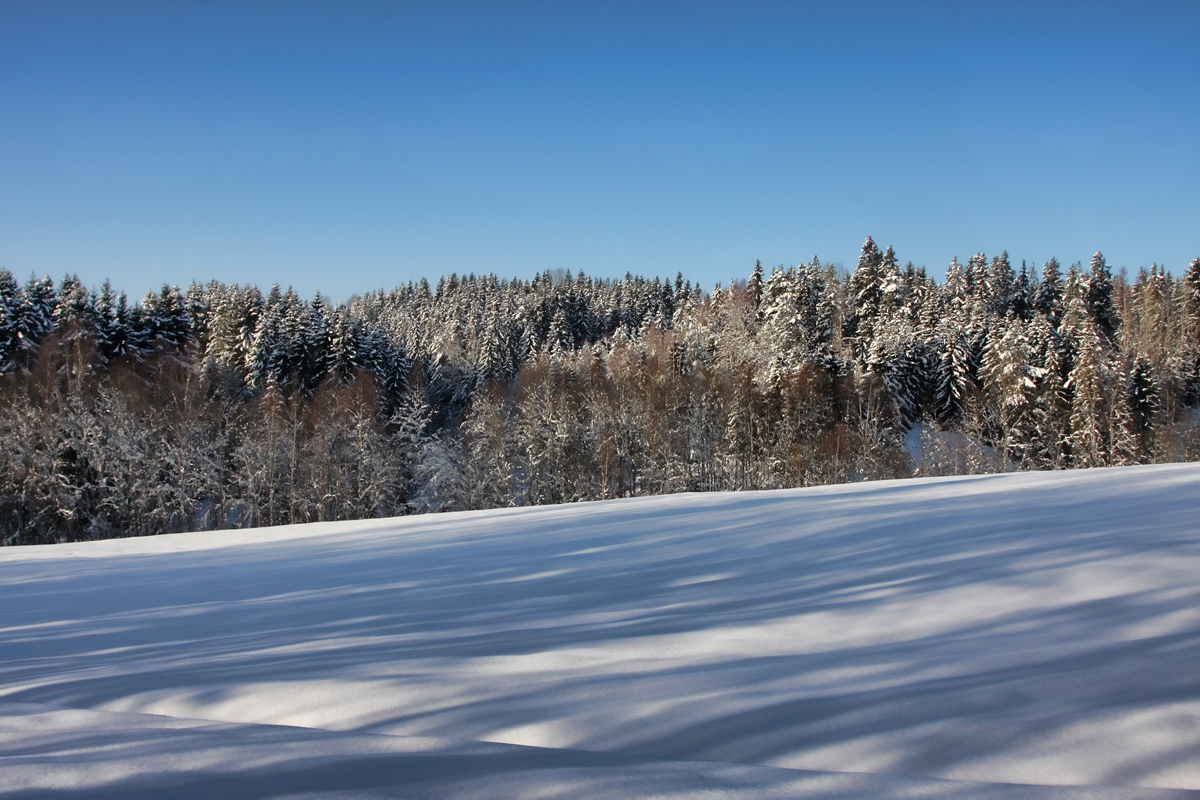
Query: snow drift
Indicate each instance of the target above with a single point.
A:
(1031, 635)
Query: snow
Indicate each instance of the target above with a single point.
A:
(935, 452)
(1032, 635)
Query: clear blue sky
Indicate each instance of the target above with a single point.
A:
(343, 147)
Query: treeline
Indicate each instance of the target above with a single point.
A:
(219, 407)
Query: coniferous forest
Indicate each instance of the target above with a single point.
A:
(219, 407)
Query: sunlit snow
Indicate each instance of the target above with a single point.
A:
(1031, 635)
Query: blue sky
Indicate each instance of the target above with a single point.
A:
(344, 147)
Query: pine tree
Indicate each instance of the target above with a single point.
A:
(73, 313)
(1022, 297)
(234, 316)
(754, 286)
(1142, 405)
(979, 301)
(890, 296)
(37, 315)
(344, 359)
(1100, 301)
(1191, 304)
(11, 301)
(955, 290)
(999, 286)
(1009, 380)
(781, 333)
(494, 363)
(1051, 411)
(165, 319)
(866, 299)
(1088, 439)
(263, 365)
(314, 343)
(197, 303)
(111, 316)
(908, 369)
(1048, 300)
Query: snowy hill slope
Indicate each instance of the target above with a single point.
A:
(929, 638)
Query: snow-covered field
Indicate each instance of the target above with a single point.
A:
(1008, 636)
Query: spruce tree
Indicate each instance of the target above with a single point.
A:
(1009, 379)
(866, 299)
(1141, 395)
(10, 309)
(755, 285)
(73, 313)
(1100, 300)
(1048, 300)
(1191, 304)
(1088, 438)
(999, 286)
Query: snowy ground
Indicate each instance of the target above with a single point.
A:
(1008, 636)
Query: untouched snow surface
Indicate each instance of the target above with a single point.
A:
(1009, 636)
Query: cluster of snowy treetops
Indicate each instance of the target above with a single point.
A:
(218, 407)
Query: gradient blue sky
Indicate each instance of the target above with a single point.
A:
(344, 147)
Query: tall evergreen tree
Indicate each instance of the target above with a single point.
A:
(1191, 304)
(999, 286)
(1089, 440)
(1100, 300)
(1142, 405)
(754, 286)
(866, 299)
(1048, 300)
(11, 302)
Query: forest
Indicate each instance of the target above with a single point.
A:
(219, 407)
